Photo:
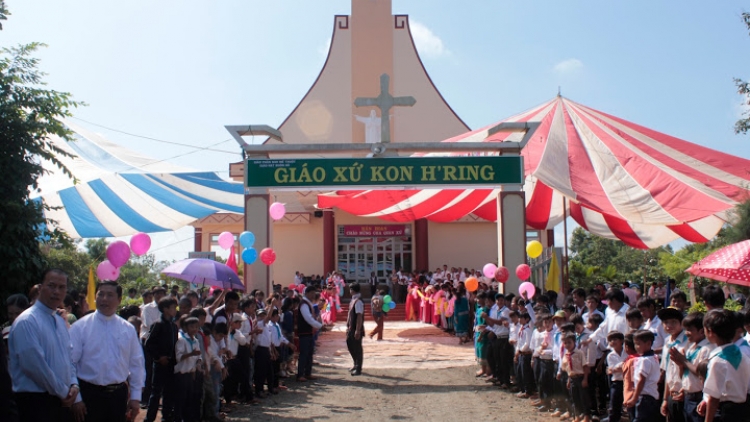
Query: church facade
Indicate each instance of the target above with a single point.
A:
(365, 46)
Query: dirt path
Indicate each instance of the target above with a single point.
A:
(418, 373)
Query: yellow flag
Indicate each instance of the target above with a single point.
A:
(91, 290)
(553, 276)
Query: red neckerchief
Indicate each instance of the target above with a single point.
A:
(635, 355)
(570, 359)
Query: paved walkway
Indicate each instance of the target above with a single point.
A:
(404, 345)
(410, 346)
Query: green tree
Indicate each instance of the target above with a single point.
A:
(74, 262)
(740, 230)
(743, 88)
(97, 249)
(3, 13)
(29, 116)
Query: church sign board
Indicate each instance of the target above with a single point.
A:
(384, 172)
(375, 230)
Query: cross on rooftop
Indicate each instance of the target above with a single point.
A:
(384, 102)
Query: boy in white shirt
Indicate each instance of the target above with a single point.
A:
(615, 359)
(652, 323)
(235, 369)
(264, 344)
(188, 357)
(524, 376)
(673, 404)
(216, 353)
(646, 376)
(588, 349)
(545, 364)
(726, 386)
(688, 357)
(514, 327)
(277, 341)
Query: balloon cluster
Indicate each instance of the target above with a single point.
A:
(249, 254)
(118, 254)
(388, 303)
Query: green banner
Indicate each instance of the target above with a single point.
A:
(383, 172)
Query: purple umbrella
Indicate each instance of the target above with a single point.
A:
(204, 272)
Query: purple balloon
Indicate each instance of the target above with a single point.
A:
(106, 271)
(140, 243)
(118, 253)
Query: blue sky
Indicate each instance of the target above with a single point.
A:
(181, 70)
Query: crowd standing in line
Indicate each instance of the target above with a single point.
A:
(188, 357)
(599, 354)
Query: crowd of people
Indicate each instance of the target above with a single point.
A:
(189, 355)
(599, 354)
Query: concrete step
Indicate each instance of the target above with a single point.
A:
(398, 314)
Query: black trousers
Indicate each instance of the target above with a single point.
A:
(104, 404)
(355, 349)
(615, 400)
(646, 408)
(146, 392)
(527, 383)
(263, 369)
(183, 394)
(503, 354)
(162, 384)
(236, 373)
(675, 410)
(41, 407)
(195, 402)
(580, 396)
(304, 364)
(546, 379)
(244, 356)
(691, 405)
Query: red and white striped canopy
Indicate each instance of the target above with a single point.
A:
(622, 181)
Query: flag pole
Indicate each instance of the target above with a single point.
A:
(566, 280)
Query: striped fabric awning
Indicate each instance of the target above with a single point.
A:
(621, 180)
(120, 192)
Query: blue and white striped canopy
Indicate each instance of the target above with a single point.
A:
(120, 192)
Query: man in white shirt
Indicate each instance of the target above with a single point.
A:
(307, 325)
(501, 351)
(355, 329)
(108, 359)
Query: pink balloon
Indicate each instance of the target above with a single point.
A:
(140, 243)
(523, 272)
(267, 256)
(277, 210)
(226, 240)
(527, 288)
(118, 253)
(105, 271)
(489, 270)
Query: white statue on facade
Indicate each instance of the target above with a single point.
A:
(372, 127)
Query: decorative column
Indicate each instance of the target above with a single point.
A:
(421, 245)
(329, 242)
(257, 221)
(198, 240)
(511, 233)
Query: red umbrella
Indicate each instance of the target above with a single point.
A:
(730, 264)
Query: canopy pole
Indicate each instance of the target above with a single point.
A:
(566, 280)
